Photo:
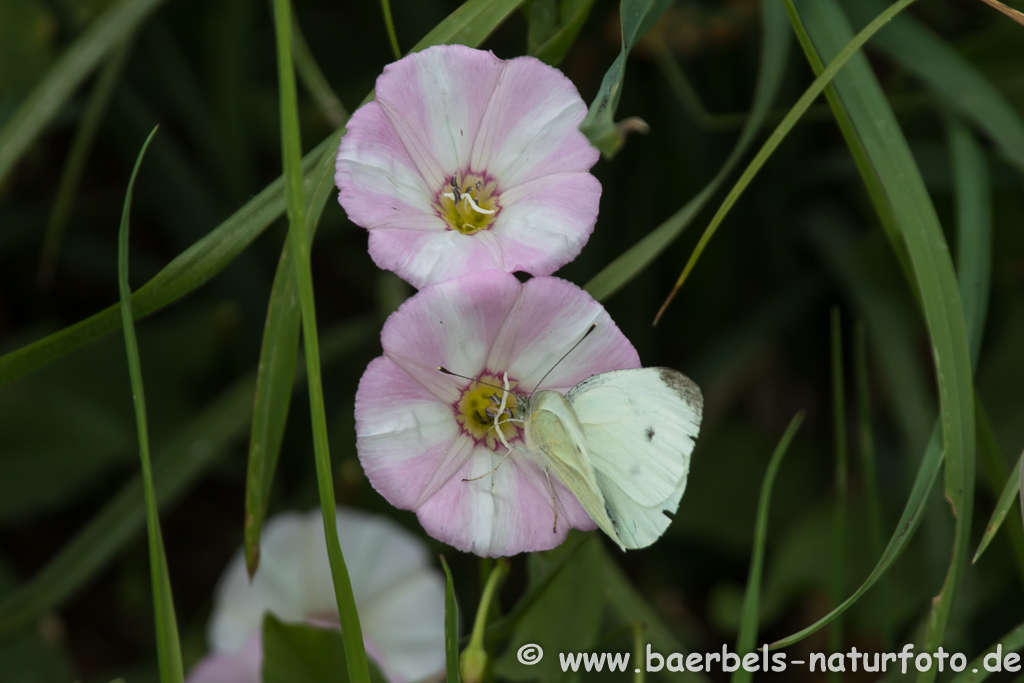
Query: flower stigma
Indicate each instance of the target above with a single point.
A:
(468, 203)
(478, 407)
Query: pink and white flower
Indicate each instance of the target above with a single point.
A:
(427, 440)
(400, 598)
(466, 163)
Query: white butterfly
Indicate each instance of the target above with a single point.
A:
(621, 442)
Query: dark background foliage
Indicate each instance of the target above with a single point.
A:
(751, 325)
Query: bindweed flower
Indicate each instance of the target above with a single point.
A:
(400, 598)
(466, 163)
(427, 440)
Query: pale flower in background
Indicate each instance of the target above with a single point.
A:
(399, 596)
(466, 163)
(422, 434)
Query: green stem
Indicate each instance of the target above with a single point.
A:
(355, 652)
(385, 6)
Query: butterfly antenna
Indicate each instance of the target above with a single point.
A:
(446, 371)
(585, 335)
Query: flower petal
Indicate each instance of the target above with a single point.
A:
(436, 99)
(378, 183)
(508, 511)
(531, 127)
(243, 666)
(404, 626)
(546, 222)
(423, 256)
(452, 324)
(550, 317)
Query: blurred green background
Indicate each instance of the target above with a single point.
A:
(751, 325)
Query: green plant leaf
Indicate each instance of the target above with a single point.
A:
(276, 370)
(178, 465)
(167, 641)
(975, 671)
(298, 241)
(470, 24)
(300, 653)
(869, 477)
(841, 466)
(451, 627)
(80, 147)
(569, 17)
(747, 637)
(629, 606)
(774, 53)
(850, 50)
(50, 94)
(937, 284)
(565, 619)
(961, 86)
(637, 18)
(1006, 501)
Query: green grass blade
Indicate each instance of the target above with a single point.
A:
(278, 355)
(451, 627)
(636, 17)
(553, 50)
(839, 529)
(747, 638)
(168, 645)
(291, 151)
(77, 156)
(1007, 498)
(960, 85)
(385, 6)
(37, 110)
(470, 24)
(779, 134)
(314, 81)
(772, 66)
(869, 476)
(975, 671)
(973, 189)
(934, 273)
(629, 606)
(179, 464)
(872, 183)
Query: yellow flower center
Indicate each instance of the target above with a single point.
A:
(476, 409)
(468, 203)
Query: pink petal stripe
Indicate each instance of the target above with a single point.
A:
(376, 178)
(435, 99)
(550, 316)
(531, 127)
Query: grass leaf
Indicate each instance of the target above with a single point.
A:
(637, 18)
(178, 465)
(752, 597)
(291, 151)
(779, 134)
(937, 284)
(168, 644)
(56, 88)
(470, 24)
(774, 53)
(962, 87)
(451, 627)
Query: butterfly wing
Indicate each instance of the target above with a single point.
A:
(555, 438)
(639, 426)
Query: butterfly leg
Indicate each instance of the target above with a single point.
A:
(554, 504)
(503, 458)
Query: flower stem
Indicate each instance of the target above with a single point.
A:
(291, 146)
(474, 658)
